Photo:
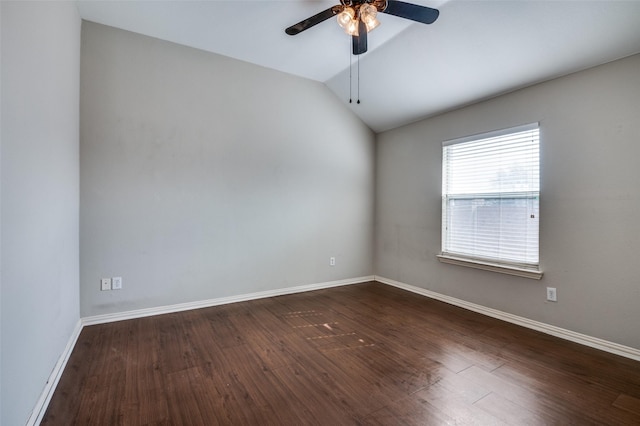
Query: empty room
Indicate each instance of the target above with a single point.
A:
(366, 212)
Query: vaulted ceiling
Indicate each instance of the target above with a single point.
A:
(476, 49)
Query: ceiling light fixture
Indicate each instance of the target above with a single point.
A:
(358, 17)
(351, 16)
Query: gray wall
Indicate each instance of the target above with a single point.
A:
(204, 177)
(39, 196)
(590, 203)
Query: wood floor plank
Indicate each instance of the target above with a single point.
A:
(227, 334)
(455, 404)
(464, 388)
(628, 403)
(351, 355)
(318, 402)
(143, 397)
(562, 355)
(510, 412)
(410, 410)
(580, 398)
(354, 385)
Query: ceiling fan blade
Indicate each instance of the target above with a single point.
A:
(313, 20)
(414, 12)
(359, 42)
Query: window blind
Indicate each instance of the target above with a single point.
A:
(491, 196)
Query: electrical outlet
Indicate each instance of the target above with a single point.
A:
(552, 294)
(332, 261)
(116, 283)
(105, 284)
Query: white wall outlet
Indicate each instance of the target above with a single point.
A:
(552, 294)
(332, 261)
(116, 283)
(105, 284)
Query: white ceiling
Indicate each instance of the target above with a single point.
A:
(475, 50)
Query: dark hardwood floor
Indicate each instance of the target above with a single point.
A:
(362, 354)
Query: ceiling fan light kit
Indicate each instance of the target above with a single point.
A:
(358, 17)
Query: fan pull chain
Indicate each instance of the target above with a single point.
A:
(358, 79)
(350, 66)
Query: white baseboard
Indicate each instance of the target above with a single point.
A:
(43, 402)
(140, 313)
(594, 342)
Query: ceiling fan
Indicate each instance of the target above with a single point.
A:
(358, 17)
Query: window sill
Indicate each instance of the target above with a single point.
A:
(488, 266)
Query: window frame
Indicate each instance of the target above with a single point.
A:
(527, 270)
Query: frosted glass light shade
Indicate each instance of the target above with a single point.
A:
(345, 17)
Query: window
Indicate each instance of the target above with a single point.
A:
(491, 201)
